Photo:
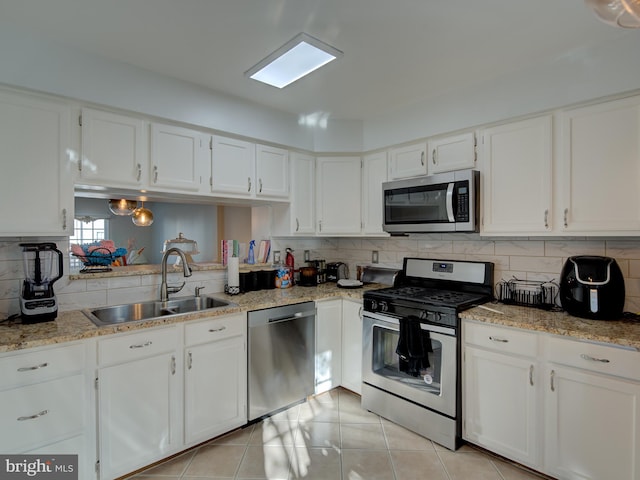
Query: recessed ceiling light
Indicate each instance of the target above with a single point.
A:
(298, 57)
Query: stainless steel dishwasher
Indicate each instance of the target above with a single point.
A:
(281, 357)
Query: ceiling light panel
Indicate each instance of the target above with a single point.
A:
(298, 57)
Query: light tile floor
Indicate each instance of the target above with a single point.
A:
(331, 437)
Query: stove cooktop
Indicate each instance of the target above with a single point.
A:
(422, 297)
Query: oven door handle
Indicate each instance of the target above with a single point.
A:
(450, 215)
(392, 323)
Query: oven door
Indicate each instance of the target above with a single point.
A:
(435, 388)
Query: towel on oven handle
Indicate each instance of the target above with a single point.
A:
(414, 345)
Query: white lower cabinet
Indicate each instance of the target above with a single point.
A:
(580, 401)
(328, 345)
(215, 381)
(46, 396)
(352, 345)
(139, 399)
(592, 411)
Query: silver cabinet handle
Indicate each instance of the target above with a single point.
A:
(32, 417)
(297, 225)
(189, 360)
(433, 156)
(64, 219)
(320, 225)
(35, 367)
(220, 329)
(173, 364)
(249, 184)
(497, 339)
(566, 215)
(360, 313)
(260, 185)
(594, 359)
(141, 345)
(546, 219)
(422, 158)
(155, 174)
(531, 375)
(551, 379)
(139, 175)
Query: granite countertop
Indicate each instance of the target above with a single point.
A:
(625, 333)
(74, 325)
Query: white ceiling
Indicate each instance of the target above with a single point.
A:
(396, 52)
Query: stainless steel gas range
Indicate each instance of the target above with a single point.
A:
(411, 345)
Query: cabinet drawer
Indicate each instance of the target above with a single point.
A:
(597, 358)
(506, 340)
(42, 413)
(215, 328)
(145, 343)
(34, 367)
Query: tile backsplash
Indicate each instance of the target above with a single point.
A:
(522, 258)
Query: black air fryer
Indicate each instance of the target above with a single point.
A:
(592, 287)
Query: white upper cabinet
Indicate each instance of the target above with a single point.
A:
(302, 209)
(179, 158)
(338, 195)
(374, 173)
(114, 150)
(272, 172)
(232, 166)
(408, 161)
(600, 175)
(36, 185)
(456, 152)
(517, 171)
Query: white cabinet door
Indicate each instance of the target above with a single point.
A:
(36, 185)
(232, 166)
(408, 161)
(374, 173)
(328, 345)
(601, 168)
(500, 411)
(114, 150)
(272, 172)
(302, 219)
(456, 152)
(516, 171)
(178, 158)
(139, 400)
(352, 345)
(215, 378)
(338, 195)
(592, 428)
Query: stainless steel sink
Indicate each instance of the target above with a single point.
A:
(134, 312)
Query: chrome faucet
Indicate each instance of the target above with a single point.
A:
(165, 289)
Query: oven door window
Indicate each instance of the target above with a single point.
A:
(386, 362)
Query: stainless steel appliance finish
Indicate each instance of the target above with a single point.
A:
(430, 293)
(445, 202)
(385, 276)
(281, 357)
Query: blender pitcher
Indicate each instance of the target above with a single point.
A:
(42, 267)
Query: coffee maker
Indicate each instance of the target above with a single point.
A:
(42, 267)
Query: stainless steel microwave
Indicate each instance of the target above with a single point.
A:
(445, 202)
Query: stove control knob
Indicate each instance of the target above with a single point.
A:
(424, 315)
(373, 305)
(436, 317)
(384, 307)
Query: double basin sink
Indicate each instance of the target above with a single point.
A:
(134, 312)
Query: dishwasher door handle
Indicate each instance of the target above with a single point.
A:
(295, 316)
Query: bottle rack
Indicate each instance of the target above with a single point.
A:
(527, 293)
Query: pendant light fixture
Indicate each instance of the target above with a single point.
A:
(618, 13)
(142, 217)
(122, 206)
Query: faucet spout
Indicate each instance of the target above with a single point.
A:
(165, 289)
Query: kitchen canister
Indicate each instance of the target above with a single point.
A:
(284, 277)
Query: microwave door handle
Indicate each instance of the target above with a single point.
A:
(450, 188)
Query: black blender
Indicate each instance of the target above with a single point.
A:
(42, 267)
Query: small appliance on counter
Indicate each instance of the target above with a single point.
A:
(42, 267)
(592, 287)
(337, 271)
(189, 247)
(382, 275)
(321, 267)
(308, 276)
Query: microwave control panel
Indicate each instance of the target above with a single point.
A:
(462, 201)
